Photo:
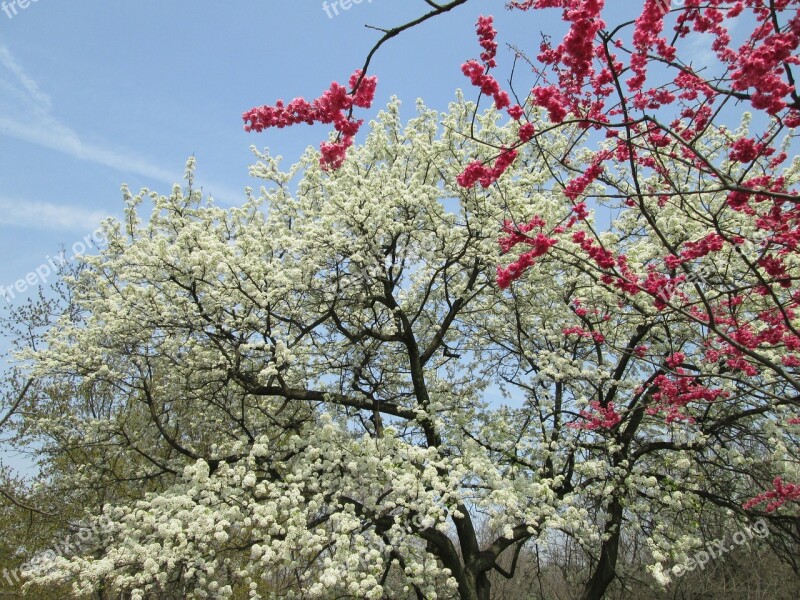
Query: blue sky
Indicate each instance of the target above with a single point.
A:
(94, 94)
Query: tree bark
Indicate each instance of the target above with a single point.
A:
(605, 571)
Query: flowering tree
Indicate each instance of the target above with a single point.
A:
(304, 395)
(654, 140)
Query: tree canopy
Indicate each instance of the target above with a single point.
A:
(559, 331)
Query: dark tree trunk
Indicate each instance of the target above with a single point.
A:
(606, 568)
(476, 586)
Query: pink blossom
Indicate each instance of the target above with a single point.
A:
(599, 417)
(330, 107)
(777, 497)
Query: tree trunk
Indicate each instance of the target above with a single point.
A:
(605, 571)
(476, 586)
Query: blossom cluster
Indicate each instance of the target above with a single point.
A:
(334, 106)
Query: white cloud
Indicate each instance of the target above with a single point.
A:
(53, 135)
(45, 215)
(26, 114)
(41, 100)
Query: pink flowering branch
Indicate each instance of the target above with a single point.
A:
(678, 390)
(598, 417)
(776, 497)
(336, 105)
(333, 107)
(477, 172)
(590, 89)
(540, 243)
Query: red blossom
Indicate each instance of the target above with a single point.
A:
(539, 243)
(713, 242)
(577, 81)
(551, 99)
(486, 36)
(675, 360)
(515, 112)
(477, 172)
(599, 417)
(487, 84)
(676, 391)
(602, 257)
(746, 150)
(577, 186)
(776, 497)
(582, 333)
(333, 106)
(526, 132)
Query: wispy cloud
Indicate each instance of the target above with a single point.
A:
(28, 116)
(26, 113)
(45, 215)
(41, 100)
